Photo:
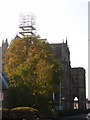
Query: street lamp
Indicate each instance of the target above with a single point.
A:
(60, 104)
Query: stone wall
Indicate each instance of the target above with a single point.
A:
(79, 86)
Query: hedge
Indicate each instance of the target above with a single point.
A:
(20, 112)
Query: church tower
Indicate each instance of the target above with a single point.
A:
(4, 47)
(72, 81)
(62, 52)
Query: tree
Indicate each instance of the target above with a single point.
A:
(32, 67)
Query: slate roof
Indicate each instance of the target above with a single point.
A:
(16, 37)
(3, 80)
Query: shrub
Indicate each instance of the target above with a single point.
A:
(24, 108)
(20, 112)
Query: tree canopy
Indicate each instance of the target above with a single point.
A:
(30, 64)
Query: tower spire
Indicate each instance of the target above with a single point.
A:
(66, 40)
(6, 40)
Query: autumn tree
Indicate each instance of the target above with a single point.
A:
(33, 72)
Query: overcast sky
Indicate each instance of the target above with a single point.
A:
(55, 20)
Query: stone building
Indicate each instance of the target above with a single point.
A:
(78, 86)
(3, 93)
(72, 80)
(87, 104)
(4, 47)
(3, 50)
(3, 79)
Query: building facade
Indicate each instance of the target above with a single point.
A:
(3, 79)
(3, 50)
(72, 81)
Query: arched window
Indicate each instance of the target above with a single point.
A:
(76, 103)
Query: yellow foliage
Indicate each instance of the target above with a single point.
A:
(34, 62)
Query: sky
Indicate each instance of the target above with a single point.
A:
(55, 20)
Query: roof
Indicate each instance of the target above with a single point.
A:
(3, 81)
(16, 37)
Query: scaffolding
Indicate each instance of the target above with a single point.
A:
(27, 25)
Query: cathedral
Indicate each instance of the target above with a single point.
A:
(72, 80)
